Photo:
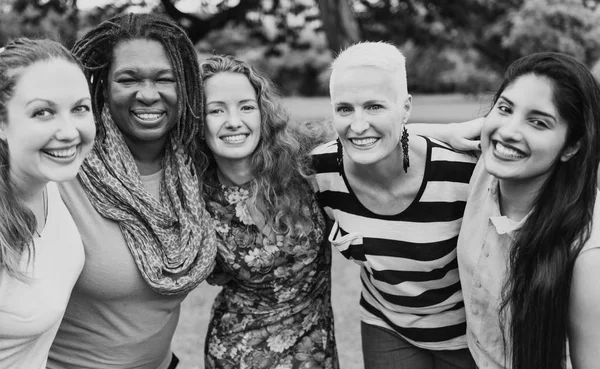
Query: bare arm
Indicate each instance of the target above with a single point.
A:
(584, 311)
(461, 136)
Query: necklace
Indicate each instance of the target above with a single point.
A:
(45, 204)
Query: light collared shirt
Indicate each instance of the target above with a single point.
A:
(483, 249)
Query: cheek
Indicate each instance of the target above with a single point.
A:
(340, 124)
(169, 93)
(88, 130)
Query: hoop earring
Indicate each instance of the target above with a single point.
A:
(404, 143)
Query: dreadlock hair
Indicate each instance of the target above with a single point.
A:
(96, 50)
(279, 164)
(17, 222)
(535, 296)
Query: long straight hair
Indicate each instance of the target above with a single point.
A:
(17, 222)
(536, 293)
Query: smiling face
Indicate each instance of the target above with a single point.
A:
(141, 92)
(233, 118)
(368, 113)
(523, 136)
(49, 125)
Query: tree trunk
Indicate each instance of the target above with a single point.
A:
(339, 24)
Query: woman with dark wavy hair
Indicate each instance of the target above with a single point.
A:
(529, 247)
(275, 310)
(136, 200)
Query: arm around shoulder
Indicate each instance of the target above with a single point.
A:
(584, 311)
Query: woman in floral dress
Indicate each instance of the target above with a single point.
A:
(274, 311)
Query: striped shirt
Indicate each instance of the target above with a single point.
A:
(409, 271)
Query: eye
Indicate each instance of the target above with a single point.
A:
(215, 111)
(504, 108)
(343, 110)
(166, 80)
(42, 113)
(126, 80)
(375, 107)
(81, 109)
(538, 123)
(248, 108)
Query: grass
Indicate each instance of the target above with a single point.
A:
(189, 337)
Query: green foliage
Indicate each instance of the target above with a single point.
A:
(55, 19)
(565, 26)
(296, 70)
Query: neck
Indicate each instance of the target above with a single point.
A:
(234, 173)
(385, 173)
(147, 155)
(27, 190)
(517, 197)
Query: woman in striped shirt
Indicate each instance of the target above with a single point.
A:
(397, 210)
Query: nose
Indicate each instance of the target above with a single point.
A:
(359, 124)
(233, 121)
(147, 93)
(511, 128)
(66, 130)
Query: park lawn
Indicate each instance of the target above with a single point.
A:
(195, 313)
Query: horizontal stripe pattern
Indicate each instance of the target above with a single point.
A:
(409, 272)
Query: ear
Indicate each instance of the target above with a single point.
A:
(570, 151)
(407, 105)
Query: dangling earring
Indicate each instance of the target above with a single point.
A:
(404, 143)
(340, 156)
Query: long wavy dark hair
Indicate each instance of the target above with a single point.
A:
(17, 222)
(280, 163)
(535, 296)
(96, 50)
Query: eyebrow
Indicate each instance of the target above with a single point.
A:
(535, 111)
(137, 70)
(223, 102)
(52, 103)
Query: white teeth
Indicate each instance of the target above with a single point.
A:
(235, 138)
(508, 152)
(148, 116)
(363, 141)
(62, 153)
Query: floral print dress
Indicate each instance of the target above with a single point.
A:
(275, 311)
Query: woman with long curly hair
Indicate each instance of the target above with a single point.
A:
(46, 130)
(136, 200)
(529, 247)
(275, 310)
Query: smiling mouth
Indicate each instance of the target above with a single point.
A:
(235, 138)
(149, 117)
(61, 153)
(508, 151)
(364, 142)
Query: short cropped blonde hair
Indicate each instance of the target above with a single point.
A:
(381, 55)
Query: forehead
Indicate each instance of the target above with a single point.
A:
(55, 80)
(140, 53)
(532, 92)
(227, 85)
(363, 83)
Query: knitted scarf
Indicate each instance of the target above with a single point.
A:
(172, 240)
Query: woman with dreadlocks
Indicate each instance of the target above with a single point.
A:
(136, 200)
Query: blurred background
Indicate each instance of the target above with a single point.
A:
(456, 53)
